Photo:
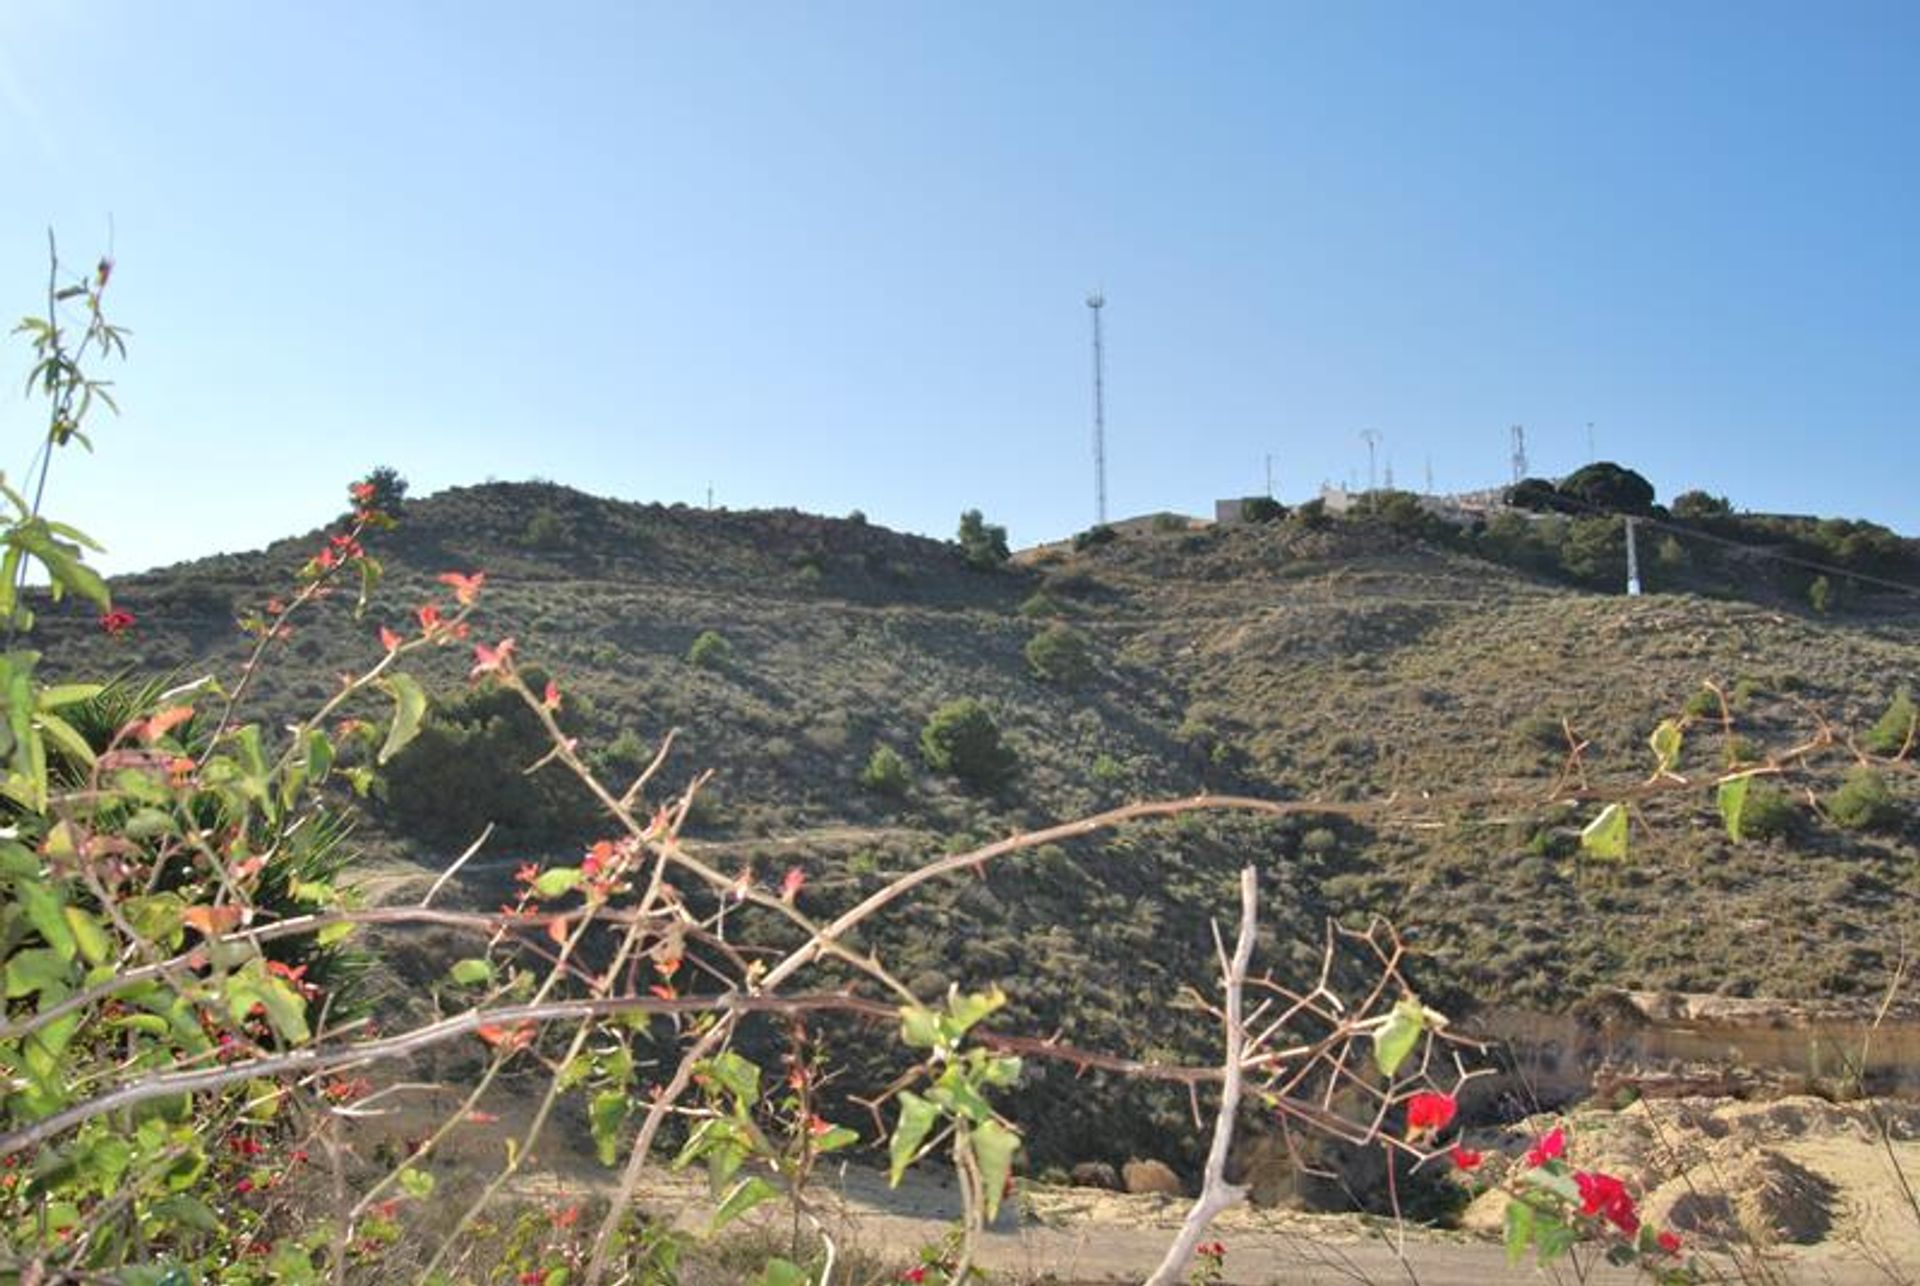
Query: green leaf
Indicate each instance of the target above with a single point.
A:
(606, 1114)
(783, 1272)
(1002, 1072)
(968, 1009)
(993, 1148)
(919, 1027)
(746, 1194)
(1554, 1239)
(418, 1183)
(1605, 836)
(286, 1008)
(44, 909)
(737, 1075)
(89, 936)
(1665, 742)
(1398, 1036)
(409, 707)
(917, 1118)
(1519, 1230)
(184, 1212)
(557, 881)
(36, 969)
(55, 695)
(472, 972)
(1732, 798)
(834, 1139)
(319, 756)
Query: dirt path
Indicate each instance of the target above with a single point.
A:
(1818, 1184)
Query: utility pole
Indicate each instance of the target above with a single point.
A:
(1633, 564)
(1269, 475)
(1095, 302)
(1372, 438)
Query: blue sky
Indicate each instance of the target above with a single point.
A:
(834, 256)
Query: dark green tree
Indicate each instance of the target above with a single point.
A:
(982, 544)
(382, 490)
(963, 740)
(1605, 485)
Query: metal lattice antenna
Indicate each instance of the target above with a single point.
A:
(1372, 438)
(1519, 452)
(1095, 302)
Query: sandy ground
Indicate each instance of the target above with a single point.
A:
(1801, 1190)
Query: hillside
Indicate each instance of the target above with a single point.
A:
(1345, 663)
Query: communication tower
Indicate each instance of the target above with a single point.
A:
(1095, 302)
(1519, 452)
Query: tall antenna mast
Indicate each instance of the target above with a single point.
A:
(1372, 438)
(1095, 302)
(1519, 452)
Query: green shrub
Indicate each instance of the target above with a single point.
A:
(1699, 504)
(1109, 771)
(1704, 704)
(1094, 537)
(546, 530)
(1820, 595)
(710, 651)
(1261, 509)
(886, 772)
(1769, 813)
(1059, 654)
(1863, 802)
(1040, 603)
(1896, 726)
(1169, 522)
(962, 739)
(982, 544)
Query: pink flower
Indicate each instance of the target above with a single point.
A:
(465, 588)
(492, 660)
(1552, 1146)
(790, 886)
(117, 622)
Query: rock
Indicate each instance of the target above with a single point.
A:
(1095, 1174)
(1151, 1176)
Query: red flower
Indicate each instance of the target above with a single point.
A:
(1669, 1242)
(1430, 1112)
(389, 639)
(1213, 1250)
(118, 621)
(533, 1277)
(1552, 1145)
(1602, 1194)
(790, 886)
(918, 1274)
(1466, 1158)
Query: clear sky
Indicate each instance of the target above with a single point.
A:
(835, 255)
